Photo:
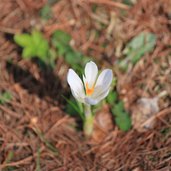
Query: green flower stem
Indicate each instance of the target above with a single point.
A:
(88, 123)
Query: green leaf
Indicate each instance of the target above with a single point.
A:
(118, 109)
(28, 52)
(127, 2)
(73, 58)
(23, 40)
(74, 108)
(142, 44)
(5, 97)
(38, 168)
(70, 58)
(42, 47)
(35, 45)
(8, 159)
(61, 37)
(46, 12)
(112, 97)
(62, 48)
(137, 48)
(122, 118)
(37, 38)
(42, 51)
(137, 42)
(48, 144)
(61, 40)
(123, 122)
(52, 57)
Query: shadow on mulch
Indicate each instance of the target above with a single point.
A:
(48, 86)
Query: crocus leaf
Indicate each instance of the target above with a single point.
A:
(118, 109)
(112, 97)
(61, 36)
(122, 118)
(73, 108)
(123, 122)
(61, 41)
(62, 48)
(73, 58)
(70, 58)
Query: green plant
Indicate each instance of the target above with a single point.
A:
(8, 159)
(74, 108)
(89, 91)
(128, 2)
(38, 168)
(61, 40)
(35, 45)
(47, 143)
(137, 47)
(122, 118)
(46, 12)
(5, 97)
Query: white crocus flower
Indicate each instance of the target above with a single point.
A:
(94, 88)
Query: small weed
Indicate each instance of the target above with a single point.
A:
(61, 41)
(122, 118)
(136, 48)
(35, 45)
(5, 97)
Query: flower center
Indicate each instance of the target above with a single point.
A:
(89, 91)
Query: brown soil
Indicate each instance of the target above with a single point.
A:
(33, 125)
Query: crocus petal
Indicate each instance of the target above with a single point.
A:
(102, 86)
(104, 79)
(76, 85)
(90, 101)
(91, 72)
(94, 100)
(78, 96)
(100, 95)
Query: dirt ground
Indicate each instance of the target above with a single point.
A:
(35, 131)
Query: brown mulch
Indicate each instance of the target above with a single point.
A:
(34, 127)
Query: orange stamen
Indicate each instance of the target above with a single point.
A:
(89, 91)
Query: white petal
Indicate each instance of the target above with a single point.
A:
(78, 97)
(102, 86)
(105, 78)
(91, 72)
(76, 85)
(90, 101)
(94, 100)
(101, 95)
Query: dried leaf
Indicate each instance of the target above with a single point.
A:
(144, 110)
(102, 124)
